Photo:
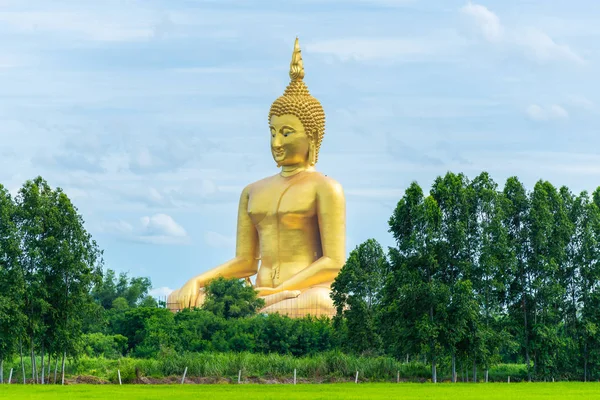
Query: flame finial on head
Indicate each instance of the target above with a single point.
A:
(296, 65)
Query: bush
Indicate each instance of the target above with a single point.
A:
(100, 345)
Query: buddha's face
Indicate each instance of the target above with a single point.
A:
(289, 141)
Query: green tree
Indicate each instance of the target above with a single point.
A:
(134, 290)
(356, 294)
(11, 281)
(587, 257)
(550, 229)
(414, 306)
(61, 262)
(596, 196)
(457, 252)
(519, 299)
(231, 298)
(489, 273)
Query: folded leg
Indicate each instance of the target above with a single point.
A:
(314, 301)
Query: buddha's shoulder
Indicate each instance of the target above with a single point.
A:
(327, 184)
(269, 180)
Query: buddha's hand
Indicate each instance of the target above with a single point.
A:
(274, 295)
(190, 295)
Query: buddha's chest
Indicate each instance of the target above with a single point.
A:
(289, 205)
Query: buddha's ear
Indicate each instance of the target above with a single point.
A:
(312, 153)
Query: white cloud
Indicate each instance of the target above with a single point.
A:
(534, 42)
(553, 112)
(160, 291)
(214, 239)
(162, 225)
(486, 21)
(544, 48)
(156, 229)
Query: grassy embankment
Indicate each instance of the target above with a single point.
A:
(256, 368)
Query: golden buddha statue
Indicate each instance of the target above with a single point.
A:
(291, 229)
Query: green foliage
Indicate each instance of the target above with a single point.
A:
(357, 293)
(231, 298)
(100, 345)
(11, 278)
(133, 290)
(479, 277)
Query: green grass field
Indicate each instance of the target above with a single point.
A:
(460, 391)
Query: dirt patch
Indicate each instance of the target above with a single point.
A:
(91, 380)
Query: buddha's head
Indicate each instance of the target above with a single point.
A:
(296, 120)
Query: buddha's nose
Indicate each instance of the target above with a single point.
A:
(276, 143)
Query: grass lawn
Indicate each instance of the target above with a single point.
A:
(460, 391)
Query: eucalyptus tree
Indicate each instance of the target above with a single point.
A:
(490, 268)
(587, 257)
(11, 281)
(414, 305)
(549, 232)
(458, 251)
(60, 263)
(515, 220)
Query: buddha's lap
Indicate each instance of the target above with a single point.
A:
(311, 298)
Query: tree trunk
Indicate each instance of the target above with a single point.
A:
(63, 367)
(56, 368)
(1, 371)
(33, 376)
(527, 359)
(49, 367)
(486, 375)
(585, 362)
(453, 368)
(22, 363)
(474, 370)
(42, 363)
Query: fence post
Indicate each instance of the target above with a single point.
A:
(356, 379)
(240, 376)
(294, 376)
(183, 377)
(10, 376)
(509, 379)
(119, 374)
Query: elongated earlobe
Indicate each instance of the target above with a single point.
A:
(312, 154)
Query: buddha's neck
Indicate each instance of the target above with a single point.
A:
(291, 170)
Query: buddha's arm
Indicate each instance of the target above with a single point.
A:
(331, 212)
(244, 264)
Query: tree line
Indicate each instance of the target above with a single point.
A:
(48, 266)
(480, 276)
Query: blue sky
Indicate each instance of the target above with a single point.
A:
(152, 115)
